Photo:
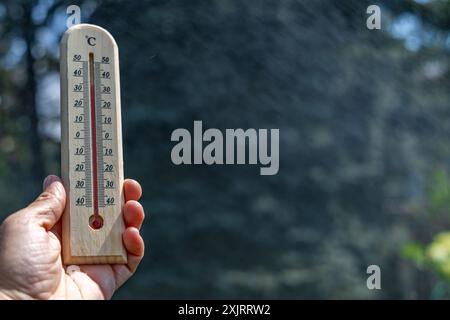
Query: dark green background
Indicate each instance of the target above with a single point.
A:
(364, 119)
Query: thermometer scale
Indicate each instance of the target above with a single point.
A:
(91, 147)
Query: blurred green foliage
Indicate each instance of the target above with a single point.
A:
(435, 255)
(439, 192)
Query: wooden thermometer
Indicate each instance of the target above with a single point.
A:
(91, 147)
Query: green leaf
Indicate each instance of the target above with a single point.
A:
(414, 252)
(439, 191)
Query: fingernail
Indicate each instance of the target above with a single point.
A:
(49, 180)
(72, 269)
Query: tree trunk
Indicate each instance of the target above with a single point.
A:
(29, 98)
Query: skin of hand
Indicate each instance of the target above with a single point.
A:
(31, 265)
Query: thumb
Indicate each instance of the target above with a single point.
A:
(49, 206)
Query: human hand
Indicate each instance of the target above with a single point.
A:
(30, 251)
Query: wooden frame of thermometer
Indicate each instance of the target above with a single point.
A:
(91, 147)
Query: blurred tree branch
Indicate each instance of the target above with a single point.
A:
(435, 13)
